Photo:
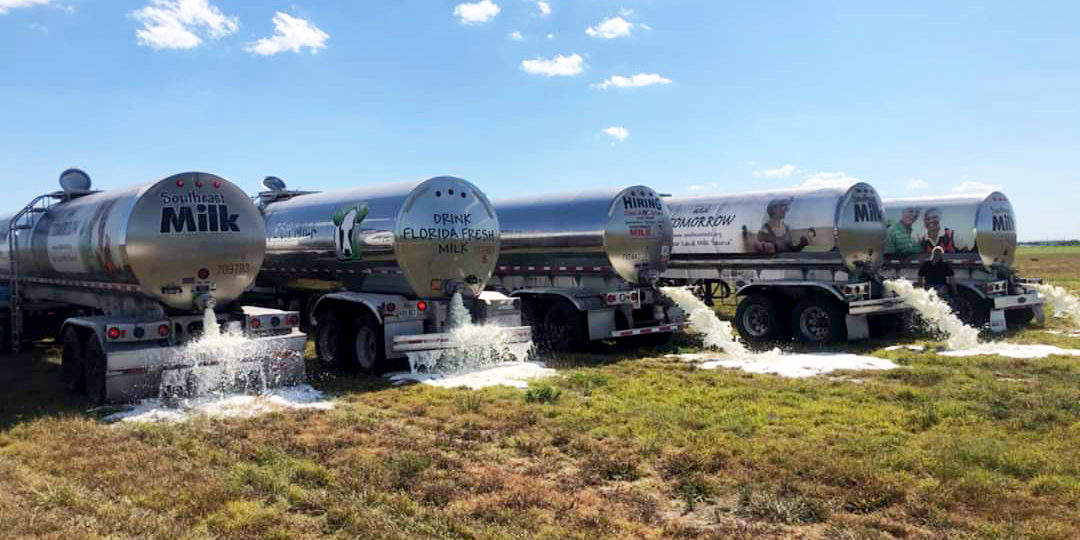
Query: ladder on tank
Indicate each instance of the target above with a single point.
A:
(19, 222)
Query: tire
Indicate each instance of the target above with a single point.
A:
(758, 321)
(818, 321)
(366, 345)
(971, 309)
(94, 363)
(563, 329)
(72, 361)
(330, 340)
(1019, 318)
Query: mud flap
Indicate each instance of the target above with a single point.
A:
(858, 327)
(1040, 314)
(997, 321)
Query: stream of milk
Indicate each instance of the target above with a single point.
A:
(1064, 304)
(936, 312)
(476, 345)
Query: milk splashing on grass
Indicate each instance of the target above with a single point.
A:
(220, 363)
(937, 312)
(717, 334)
(1064, 304)
(473, 345)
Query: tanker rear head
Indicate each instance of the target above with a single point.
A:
(194, 241)
(446, 239)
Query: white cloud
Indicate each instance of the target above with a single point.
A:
(974, 187)
(633, 81)
(516, 36)
(290, 34)
(560, 66)
(644, 26)
(551, 36)
(545, 8)
(625, 12)
(828, 179)
(782, 172)
(611, 28)
(38, 27)
(699, 187)
(478, 12)
(7, 5)
(917, 183)
(618, 132)
(177, 24)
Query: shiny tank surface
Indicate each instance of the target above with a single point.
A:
(628, 230)
(979, 226)
(842, 222)
(183, 240)
(419, 239)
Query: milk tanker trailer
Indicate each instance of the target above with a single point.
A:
(978, 235)
(586, 265)
(803, 261)
(124, 278)
(374, 269)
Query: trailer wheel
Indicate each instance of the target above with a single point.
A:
(818, 320)
(330, 342)
(564, 328)
(971, 309)
(367, 345)
(1018, 318)
(72, 360)
(758, 321)
(94, 373)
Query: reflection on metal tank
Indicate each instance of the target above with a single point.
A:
(628, 231)
(419, 239)
(981, 225)
(182, 241)
(842, 222)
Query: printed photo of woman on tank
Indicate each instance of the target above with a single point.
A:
(775, 236)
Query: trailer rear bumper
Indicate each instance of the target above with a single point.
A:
(138, 371)
(508, 335)
(878, 306)
(649, 330)
(1018, 301)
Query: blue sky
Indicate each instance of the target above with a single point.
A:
(917, 98)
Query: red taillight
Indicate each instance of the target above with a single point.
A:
(217, 184)
(179, 183)
(391, 307)
(113, 333)
(610, 298)
(163, 330)
(421, 305)
(292, 320)
(204, 273)
(255, 323)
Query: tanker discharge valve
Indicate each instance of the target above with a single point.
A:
(205, 301)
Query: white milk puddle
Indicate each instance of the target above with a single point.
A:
(1064, 304)
(790, 365)
(936, 312)
(1012, 350)
(514, 374)
(915, 348)
(231, 406)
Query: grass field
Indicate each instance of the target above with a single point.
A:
(621, 445)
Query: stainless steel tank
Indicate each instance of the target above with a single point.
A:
(185, 241)
(628, 231)
(418, 239)
(982, 226)
(827, 223)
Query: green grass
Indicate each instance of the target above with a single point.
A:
(626, 443)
